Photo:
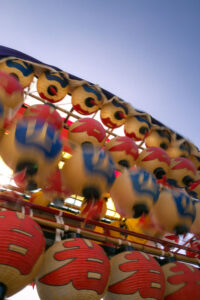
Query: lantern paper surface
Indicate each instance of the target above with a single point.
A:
(137, 127)
(21, 250)
(134, 276)
(73, 269)
(182, 281)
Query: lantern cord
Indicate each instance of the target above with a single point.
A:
(3, 290)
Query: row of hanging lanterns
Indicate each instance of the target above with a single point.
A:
(32, 146)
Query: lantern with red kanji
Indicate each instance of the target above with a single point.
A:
(137, 126)
(73, 269)
(182, 281)
(87, 99)
(154, 160)
(135, 275)
(21, 70)
(53, 86)
(11, 98)
(159, 137)
(86, 131)
(21, 251)
(123, 150)
(89, 172)
(182, 172)
(114, 113)
(174, 211)
(134, 193)
(44, 113)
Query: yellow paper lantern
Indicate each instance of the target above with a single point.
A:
(123, 150)
(32, 149)
(86, 131)
(21, 70)
(138, 126)
(89, 172)
(179, 148)
(53, 86)
(154, 160)
(134, 193)
(159, 137)
(182, 172)
(114, 112)
(173, 212)
(87, 99)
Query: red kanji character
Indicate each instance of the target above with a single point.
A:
(84, 264)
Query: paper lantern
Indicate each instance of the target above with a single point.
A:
(21, 251)
(137, 126)
(123, 150)
(86, 131)
(113, 113)
(182, 172)
(32, 149)
(73, 269)
(159, 137)
(11, 98)
(21, 70)
(195, 228)
(154, 160)
(87, 99)
(134, 193)
(182, 281)
(89, 172)
(44, 113)
(179, 148)
(135, 275)
(53, 86)
(174, 211)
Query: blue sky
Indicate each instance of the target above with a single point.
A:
(144, 51)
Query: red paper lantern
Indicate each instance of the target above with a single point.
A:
(134, 276)
(73, 269)
(21, 251)
(114, 113)
(182, 281)
(123, 150)
(86, 131)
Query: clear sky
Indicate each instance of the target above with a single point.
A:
(144, 51)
